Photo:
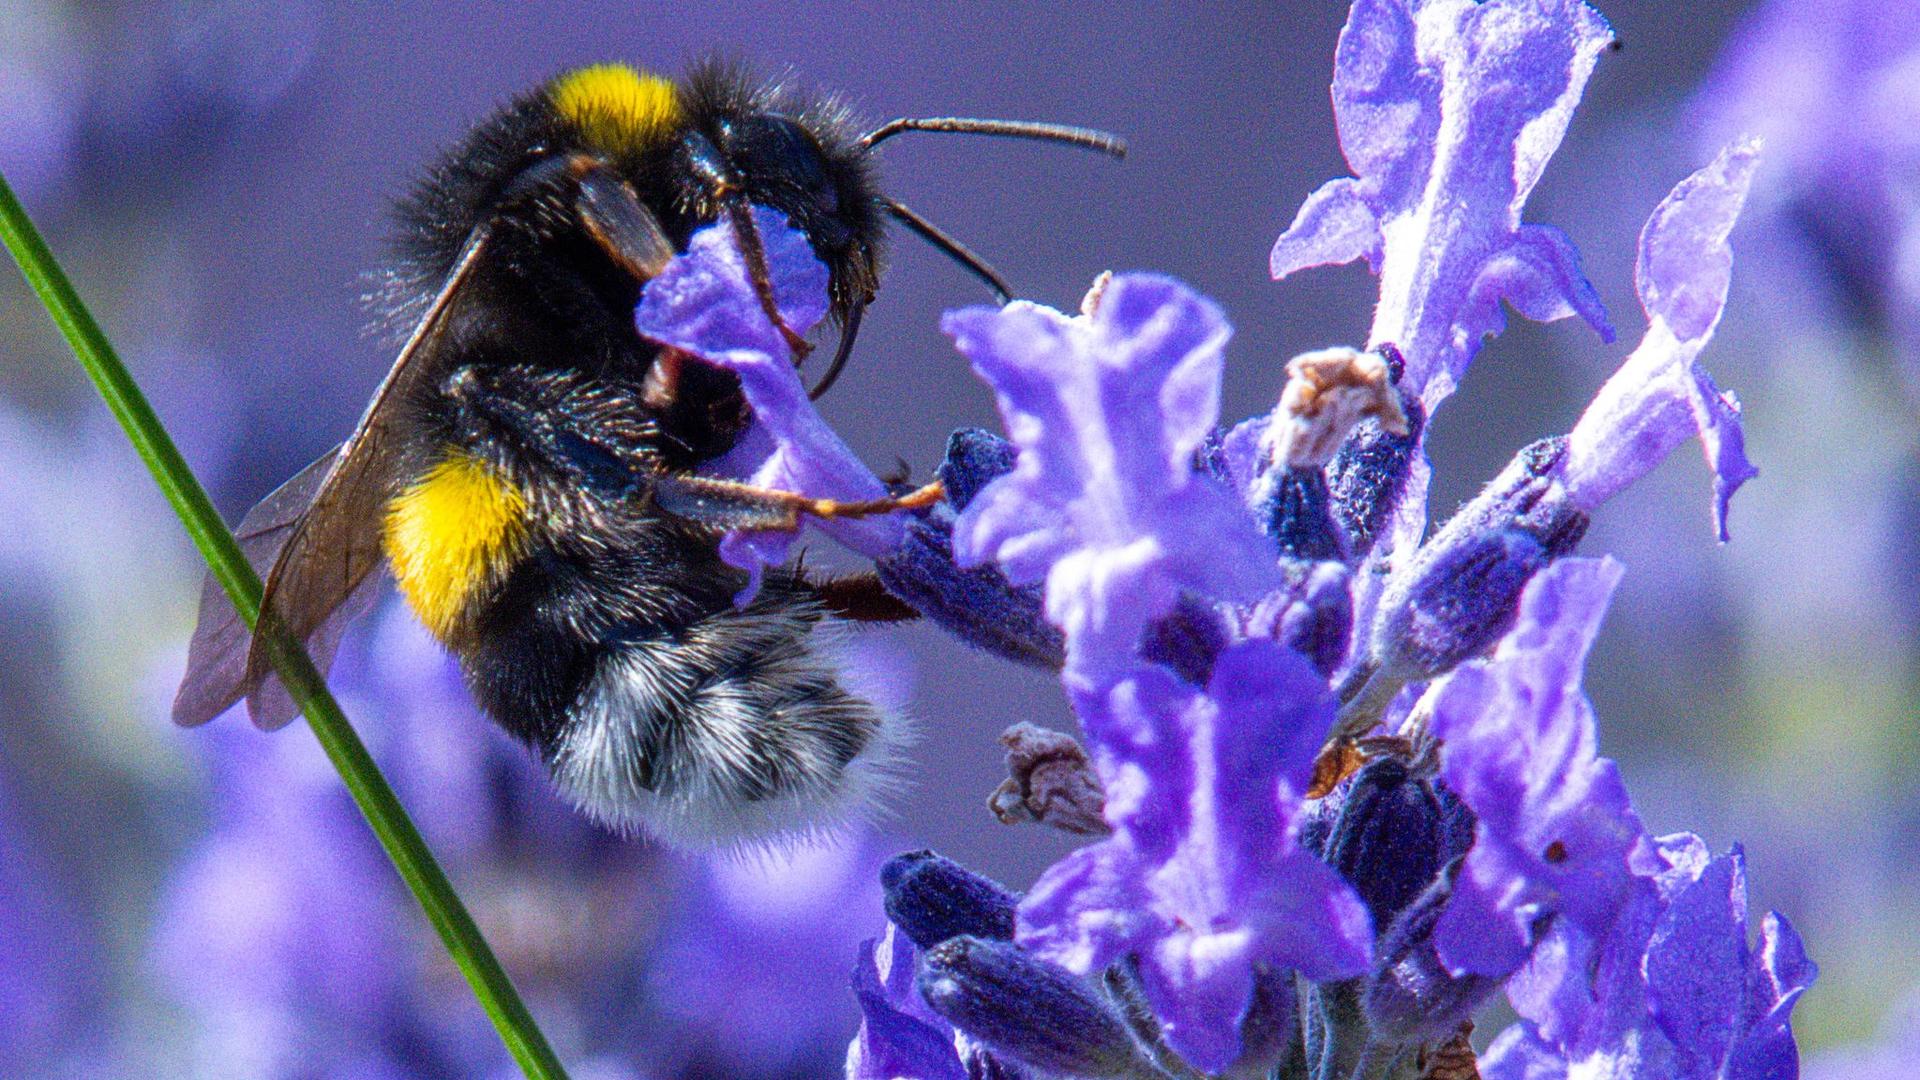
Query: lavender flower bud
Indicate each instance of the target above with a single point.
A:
(1367, 476)
(975, 458)
(1411, 997)
(1298, 513)
(1388, 842)
(1025, 1008)
(1312, 615)
(931, 898)
(1463, 588)
(979, 606)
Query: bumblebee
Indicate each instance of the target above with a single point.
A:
(514, 468)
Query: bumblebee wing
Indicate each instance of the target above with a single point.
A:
(328, 551)
(217, 656)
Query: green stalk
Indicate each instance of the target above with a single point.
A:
(402, 841)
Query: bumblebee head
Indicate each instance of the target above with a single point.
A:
(732, 137)
(719, 137)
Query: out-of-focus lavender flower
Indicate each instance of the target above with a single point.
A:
(1833, 87)
(704, 303)
(1107, 409)
(798, 913)
(299, 954)
(47, 961)
(40, 127)
(1448, 112)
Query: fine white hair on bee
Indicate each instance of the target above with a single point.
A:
(736, 728)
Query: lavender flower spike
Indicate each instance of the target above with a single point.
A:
(1556, 834)
(1660, 397)
(704, 304)
(1106, 410)
(1448, 111)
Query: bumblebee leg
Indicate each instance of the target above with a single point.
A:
(725, 190)
(620, 223)
(729, 504)
(748, 235)
(861, 598)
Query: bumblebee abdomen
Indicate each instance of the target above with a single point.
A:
(736, 726)
(451, 536)
(660, 706)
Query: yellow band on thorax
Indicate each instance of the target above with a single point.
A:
(618, 109)
(452, 534)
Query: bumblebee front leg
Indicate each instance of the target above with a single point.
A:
(725, 189)
(729, 504)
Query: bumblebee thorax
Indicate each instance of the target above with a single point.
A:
(618, 110)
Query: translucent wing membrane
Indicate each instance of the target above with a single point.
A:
(217, 658)
(316, 541)
(332, 549)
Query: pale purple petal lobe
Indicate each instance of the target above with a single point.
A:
(1555, 828)
(1107, 411)
(1661, 397)
(1448, 112)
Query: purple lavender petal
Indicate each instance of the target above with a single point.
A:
(1779, 974)
(1555, 828)
(1696, 963)
(1336, 225)
(899, 1036)
(1448, 112)
(1725, 1008)
(1660, 397)
(1107, 411)
(1203, 877)
(1587, 995)
(1672, 989)
(704, 304)
(1091, 908)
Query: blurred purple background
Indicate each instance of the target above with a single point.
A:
(215, 175)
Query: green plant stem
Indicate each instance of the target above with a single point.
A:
(402, 841)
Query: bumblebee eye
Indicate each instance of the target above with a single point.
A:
(779, 156)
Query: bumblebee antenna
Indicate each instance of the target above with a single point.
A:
(951, 248)
(1101, 142)
(848, 331)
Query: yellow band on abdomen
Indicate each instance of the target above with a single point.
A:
(452, 534)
